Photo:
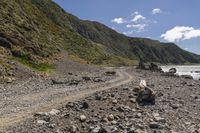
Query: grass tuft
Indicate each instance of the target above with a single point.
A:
(40, 67)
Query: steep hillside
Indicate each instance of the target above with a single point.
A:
(35, 32)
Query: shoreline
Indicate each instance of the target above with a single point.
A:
(190, 70)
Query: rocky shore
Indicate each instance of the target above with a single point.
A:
(116, 110)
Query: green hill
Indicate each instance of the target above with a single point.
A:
(35, 32)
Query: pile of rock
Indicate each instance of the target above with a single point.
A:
(145, 94)
(151, 66)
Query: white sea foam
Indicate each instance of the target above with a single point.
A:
(193, 70)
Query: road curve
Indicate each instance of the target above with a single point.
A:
(9, 120)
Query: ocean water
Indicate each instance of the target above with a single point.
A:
(193, 70)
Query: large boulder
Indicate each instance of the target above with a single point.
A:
(145, 95)
(141, 65)
(172, 70)
(154, 67)
(151, 66)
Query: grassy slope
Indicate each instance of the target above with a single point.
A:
(36, 31)
(120, 45)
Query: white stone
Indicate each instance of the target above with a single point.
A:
(83, 118)
(54, 112)
(41, 122)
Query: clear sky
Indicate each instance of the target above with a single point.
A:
(165, 20)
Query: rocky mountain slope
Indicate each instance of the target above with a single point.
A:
(36, 32)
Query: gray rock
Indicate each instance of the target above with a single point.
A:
(73, 129)
(83, 118)
(73, 82)
(172, 70)
(41, 122)
(84, 105)
(96, 130)
(86, 78)
(138, 115)
(97, 79)
(146, 96)
(99, 129)
(154, 125)
(110, 117)
(40, 114)
(187, 76)
(110, 73)
(160, 119)
(175, 106)
(114, 101)
(154, 67)
(198, 130)
(98, 97)
(54, 112)
(157, 118)
(132, 100)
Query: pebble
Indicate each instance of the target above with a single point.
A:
(98, 97)
(110, 117)
(73, 129)
(198, 130)
(114, 101)
(114, 122)
(160, 119)
(132, 100)
(157, 118)
(105, 119)
(154, 125)
(84, 105)
(54, 112)
(138, 115)
(41, 114)
(41, 122)
(96, 130)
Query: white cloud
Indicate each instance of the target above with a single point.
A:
(118, 20)
(128, 32)
(138, 17)
(135, 13)
(156, 11)
(136, 21)
(180, 33)
(138, 27)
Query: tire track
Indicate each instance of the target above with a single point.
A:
(9, 120)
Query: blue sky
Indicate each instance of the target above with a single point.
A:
(175, 21)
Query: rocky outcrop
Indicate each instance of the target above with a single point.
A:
(151, 66)
(171, 72)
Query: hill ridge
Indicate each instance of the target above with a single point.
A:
(37, 31)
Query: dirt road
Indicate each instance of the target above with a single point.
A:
(53, 98)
